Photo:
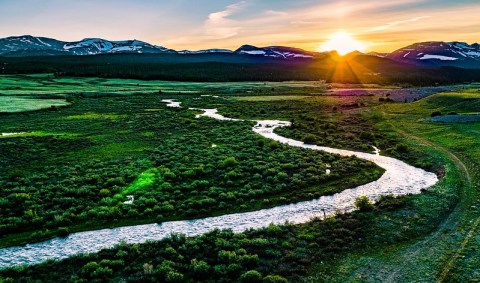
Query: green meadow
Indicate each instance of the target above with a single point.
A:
(73, 169)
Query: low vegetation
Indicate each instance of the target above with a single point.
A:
(103, 149)
(167, 160)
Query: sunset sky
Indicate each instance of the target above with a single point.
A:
(382, 25)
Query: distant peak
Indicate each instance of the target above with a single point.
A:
(93, 39)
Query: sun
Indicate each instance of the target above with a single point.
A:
(343, 43)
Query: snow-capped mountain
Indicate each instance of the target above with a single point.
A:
(38, 46)
(424, 54)
(280, 52)
(91, 46)
(27, 43)
(433, 54)
(206, 51)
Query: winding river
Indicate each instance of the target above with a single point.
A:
(399, 179)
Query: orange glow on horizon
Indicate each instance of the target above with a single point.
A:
(343, 43)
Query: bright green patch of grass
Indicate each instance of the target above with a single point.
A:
(146, 180)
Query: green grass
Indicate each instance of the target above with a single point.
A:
(47, 84)
(447, 249)
(12, 104)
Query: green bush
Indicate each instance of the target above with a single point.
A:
(274, 279)
(230, 161)
(364, 204)
(309, 139)
(251, 276)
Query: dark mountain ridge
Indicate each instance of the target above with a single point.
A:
(423, 54)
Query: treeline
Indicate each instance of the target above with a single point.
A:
(360, 69)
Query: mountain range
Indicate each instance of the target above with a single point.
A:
(424, 54)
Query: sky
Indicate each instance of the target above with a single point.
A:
(382, 25)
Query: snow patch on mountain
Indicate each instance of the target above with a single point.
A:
(281, 52)
(205, 51)
(99, 44)
(472, 53)
(253, 52)
(439, 57)
(438, 54)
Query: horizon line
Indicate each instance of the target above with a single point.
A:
(290, 46)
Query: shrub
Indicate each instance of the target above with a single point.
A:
(309, 139)
(200, 267)
(102, 272)
(390, 202)
(274, 145)
(90, 267)
(436, 113)
(63, 231)
(173, 276)
(401, 148)
(274, 279)
(251, 276)
(363, 204)
(230, 161)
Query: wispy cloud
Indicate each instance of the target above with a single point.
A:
(396, 23)
(219, 25)
(276, 13)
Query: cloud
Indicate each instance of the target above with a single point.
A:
(276, 13)
(219, 25)
(396, 23)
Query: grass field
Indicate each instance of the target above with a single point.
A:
(133, 145)
(448, 253)
(48, 84)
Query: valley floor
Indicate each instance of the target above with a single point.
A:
(84, 161)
